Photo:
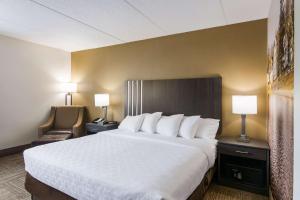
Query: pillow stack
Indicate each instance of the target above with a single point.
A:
(150, 122)
(169, 125)
(132, 123)
(188, 127)
(208, 128)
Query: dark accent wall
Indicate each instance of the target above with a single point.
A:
(235, 52)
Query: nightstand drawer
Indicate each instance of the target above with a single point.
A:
(246, 152)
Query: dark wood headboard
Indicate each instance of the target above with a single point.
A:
(196, 96)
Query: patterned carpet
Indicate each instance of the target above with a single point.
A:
(12, 176)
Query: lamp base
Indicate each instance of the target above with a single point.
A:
(68, 99)
(243, 138)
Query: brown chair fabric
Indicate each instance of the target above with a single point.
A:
(65, 117)
(59, 132)
(64, 120)
(49, 124)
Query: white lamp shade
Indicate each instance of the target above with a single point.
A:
(101, 100)
(69, 87)
(244, 104)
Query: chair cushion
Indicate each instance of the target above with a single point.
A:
(66, 117)
(59, 132)
(55, 137)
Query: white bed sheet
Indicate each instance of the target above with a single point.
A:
(121, 165)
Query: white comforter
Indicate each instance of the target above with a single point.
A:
(119, 165)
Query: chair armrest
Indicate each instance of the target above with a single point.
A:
(79, 126)
(48, 125)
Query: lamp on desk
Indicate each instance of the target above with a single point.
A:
(69, 88)
(102, 100)
(243, 105)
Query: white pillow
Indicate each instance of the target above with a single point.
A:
(132, 123)
(208, 128)
(150, 122)
(189, 127)
(169, 125)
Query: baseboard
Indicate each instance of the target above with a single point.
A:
(14, 150)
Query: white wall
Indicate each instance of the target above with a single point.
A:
(29, 84)
(296, 188)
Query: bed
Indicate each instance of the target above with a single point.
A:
(119, 164)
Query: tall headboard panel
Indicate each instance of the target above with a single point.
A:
(197, 96)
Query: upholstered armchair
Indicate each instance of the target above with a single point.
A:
(64, 120)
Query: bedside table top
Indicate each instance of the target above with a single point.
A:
(95, 128)
(259, 144)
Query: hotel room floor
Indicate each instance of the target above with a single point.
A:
(12, 176)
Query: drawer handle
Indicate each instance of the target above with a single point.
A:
(242, 152)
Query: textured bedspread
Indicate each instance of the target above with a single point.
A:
(119, 165)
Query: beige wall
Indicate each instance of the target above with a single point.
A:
(30, 74)
(236, 52)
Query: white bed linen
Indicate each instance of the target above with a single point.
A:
(118, 164)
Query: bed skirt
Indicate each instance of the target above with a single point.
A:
(41, 191)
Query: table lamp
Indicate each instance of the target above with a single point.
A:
(102, 100)
(69, 88)
(244, 105)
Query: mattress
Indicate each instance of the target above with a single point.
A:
(118, 164)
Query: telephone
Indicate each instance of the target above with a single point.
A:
(102, 121)
(99, 120)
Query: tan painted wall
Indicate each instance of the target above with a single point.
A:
(236, 52)
(29, 85)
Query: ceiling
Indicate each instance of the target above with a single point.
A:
(74, 25)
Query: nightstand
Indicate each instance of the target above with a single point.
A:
(93, 128)
(244, 165)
